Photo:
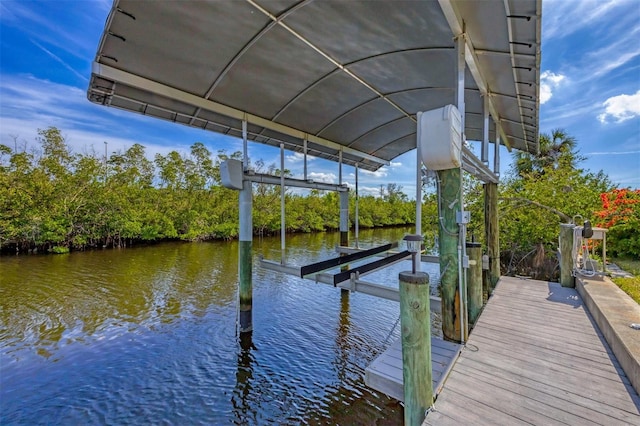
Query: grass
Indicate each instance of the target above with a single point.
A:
(631, 286)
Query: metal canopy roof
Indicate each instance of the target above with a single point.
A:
(344, 75)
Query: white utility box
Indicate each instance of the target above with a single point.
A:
(441, 138)
(231, 174)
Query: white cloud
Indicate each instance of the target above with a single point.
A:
(54, 33)
(613, 54)
(59, 60)
(621, 108)
(563, 17)
(548, 82)
(624, 178)
(298, 157)
(28, 103)
(380, 173)
(322, 177)
(613, 153)
(364, 190)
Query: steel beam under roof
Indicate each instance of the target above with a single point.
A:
(347, 76)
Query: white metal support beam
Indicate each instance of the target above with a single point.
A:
(245, 148)
(473, 165)
(496, 157)
(416, 263)
(294, 183)
(485, 129)
(357, 285)
(283, 224)
(357, 212)
(304, 150)
(460, 67)
(340, 169)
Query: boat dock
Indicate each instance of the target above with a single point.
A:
(536, 357)
(385, 372)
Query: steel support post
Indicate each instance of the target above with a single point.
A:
(357, 212)
(245, 258)
(344, 219)
(283, 223)
(417, 259)
(485, 130)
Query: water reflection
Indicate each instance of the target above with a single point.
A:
(244, 414)
(147, 335)
(52, 300)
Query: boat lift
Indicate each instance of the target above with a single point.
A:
(234, 174)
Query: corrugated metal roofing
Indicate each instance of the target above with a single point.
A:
(345, 75)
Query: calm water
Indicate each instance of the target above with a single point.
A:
(147, 336)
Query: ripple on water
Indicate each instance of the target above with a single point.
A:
(142, 336)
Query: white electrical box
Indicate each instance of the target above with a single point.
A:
(231, 174)
(441, 138)
(463, 217)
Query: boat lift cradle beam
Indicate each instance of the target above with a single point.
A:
(337, 261)
(427, 258)
(353, 283)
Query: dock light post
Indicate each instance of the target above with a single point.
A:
(414, 242)
(415, 322)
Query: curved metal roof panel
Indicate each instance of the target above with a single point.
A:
(345, 75)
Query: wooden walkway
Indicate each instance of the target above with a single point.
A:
(536, 357)
(384, 374)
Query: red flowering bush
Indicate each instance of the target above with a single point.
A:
(621, 215)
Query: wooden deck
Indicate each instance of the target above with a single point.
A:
(536, 357)
(385, 372)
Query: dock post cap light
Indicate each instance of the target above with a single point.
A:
(414, 241)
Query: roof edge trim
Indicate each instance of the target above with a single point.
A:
(472, 62)
(133, 80)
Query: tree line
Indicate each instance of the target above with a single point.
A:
(54, 199)
(539, 192)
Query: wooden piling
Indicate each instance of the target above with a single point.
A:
(566, 258)
(492, 234)
(485, 278)
(245, 259)
(474, 282)
(449, 190)
(415, 321)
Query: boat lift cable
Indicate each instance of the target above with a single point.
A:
(357, 213)
(391, 331)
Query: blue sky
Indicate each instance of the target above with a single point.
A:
(590, 86)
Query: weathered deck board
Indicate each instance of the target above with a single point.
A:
(536, 357)
(384, 374)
